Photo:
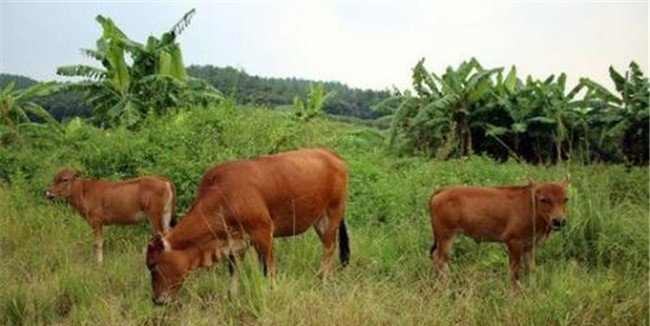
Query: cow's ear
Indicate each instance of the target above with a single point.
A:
(162, 242)
(155, 244)
(76, 174)
(531, 182)
(155, 248)
(565, 180)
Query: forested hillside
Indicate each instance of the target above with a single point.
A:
(244, 88)
(247, 89)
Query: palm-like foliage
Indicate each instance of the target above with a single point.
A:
(622, 121)
(17, 104)
(17, 109)
(156, 81)
(313, 107)
(440, 112)
(472, 109)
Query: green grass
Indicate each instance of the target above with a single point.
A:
(595, 272)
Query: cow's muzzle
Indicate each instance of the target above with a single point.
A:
(158, 301)
(558, 223)
(49, 194)
(161, 300)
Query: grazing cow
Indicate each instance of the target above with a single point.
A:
(249, 202)
(104, 202)
(520, 216)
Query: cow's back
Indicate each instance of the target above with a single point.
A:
(293, 188)
(485, 213)
(112, 200)
(128, 201)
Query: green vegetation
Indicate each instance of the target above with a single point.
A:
(593, 272)
(145, 115)
(18, 109)
(154, 83)
(272, 92)
(472, 109)
(20, 82)
(61, 105)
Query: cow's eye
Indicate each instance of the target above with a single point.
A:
(545, 200)
(566, 200)
(151, 266)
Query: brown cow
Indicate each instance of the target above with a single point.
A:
(500, 214)
(250, 202)
(104, 202)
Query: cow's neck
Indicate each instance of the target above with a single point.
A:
(542, 226)
(194, 256)
(194, 229)
(203, 256)
(77, 200)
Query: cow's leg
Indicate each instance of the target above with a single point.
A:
(529, 259)
(326, 228)
(328, 238)
(99, 242)
(262, 240)
(233, 270)
(515, 250)
(168, 210)
(156, 217)
(440, 256)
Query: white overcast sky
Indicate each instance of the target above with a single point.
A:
(362, 44)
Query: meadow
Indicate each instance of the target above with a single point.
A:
(593, 272)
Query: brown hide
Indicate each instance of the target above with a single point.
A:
(104, 202)
(250, 202)
(519, 216)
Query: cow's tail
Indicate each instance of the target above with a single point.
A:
(344, 244)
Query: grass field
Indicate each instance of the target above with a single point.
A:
(594, 272)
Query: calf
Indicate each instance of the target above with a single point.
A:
(520, 216)
(251, 202)
(104, 202)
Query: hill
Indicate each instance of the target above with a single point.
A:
(272, 92)
(18, 80)
(244, 88)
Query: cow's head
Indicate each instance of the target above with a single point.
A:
(551, 201)
(61, 187)
(168, 269)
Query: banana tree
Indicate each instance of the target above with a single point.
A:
(505, 114)
(17, 110)
(313, 107)
(156, 81)
(17, 104)
(557, 110)
(622, 120)
(441, 112)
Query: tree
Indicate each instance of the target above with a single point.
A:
(18, 110)
(472, 109)
(441, 111)
(622, 120)
(156, 81)
(273, 92)
(313, 107)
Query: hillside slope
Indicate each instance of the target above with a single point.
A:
(593, 272)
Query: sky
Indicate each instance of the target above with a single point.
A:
(363, 44)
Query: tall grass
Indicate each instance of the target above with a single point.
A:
(593, 272)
